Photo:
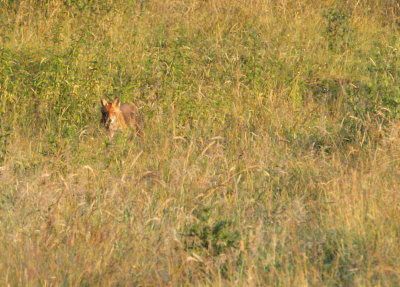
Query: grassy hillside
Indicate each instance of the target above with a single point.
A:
(271, 154)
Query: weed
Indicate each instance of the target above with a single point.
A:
(338, 31)
(213, 237)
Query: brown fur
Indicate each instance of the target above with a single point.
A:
(116, 116)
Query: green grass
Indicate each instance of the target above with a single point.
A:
(270, 157)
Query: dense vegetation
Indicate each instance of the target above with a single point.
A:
(271, 153)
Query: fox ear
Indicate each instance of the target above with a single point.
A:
(104, 102)
(117, 102)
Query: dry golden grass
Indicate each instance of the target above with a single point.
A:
(271, 153)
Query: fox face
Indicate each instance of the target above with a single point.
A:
(116, 116)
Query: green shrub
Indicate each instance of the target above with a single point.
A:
(338, 31)
(209, 236)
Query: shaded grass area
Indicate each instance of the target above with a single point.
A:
(270, 155)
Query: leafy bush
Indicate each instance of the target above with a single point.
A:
(208, 236)
(338, 31)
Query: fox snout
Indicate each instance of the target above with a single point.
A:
(109, 122)
(105, 120)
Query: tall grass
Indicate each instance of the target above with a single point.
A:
(271, 152)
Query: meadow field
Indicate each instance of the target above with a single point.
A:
(270, 155)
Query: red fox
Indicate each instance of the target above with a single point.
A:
(116, 116)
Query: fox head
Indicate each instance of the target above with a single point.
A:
(111, 116)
